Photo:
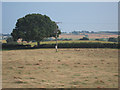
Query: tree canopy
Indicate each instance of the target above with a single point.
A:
(34, 27)
(112, 39)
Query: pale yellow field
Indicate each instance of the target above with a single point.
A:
(91, 36)
(73, 41)
(68, 68)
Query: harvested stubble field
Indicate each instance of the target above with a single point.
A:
(91, 36)
(67, 68)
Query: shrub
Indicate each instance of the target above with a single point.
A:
(10, 40)
(118, 39)
(63, 45)
(81, 45)
(112, 39)
(14, 46)
(84, 38)
(97, 39)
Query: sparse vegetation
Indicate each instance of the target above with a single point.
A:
(20, 82)
(46, 68)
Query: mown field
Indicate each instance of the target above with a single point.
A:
(67, 68)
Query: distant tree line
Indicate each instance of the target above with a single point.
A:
(99, 32)
(13, 45)
(111, 39)
(64, 45)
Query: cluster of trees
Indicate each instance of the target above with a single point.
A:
(35, 27)
(110, 32)
(99, 32)
(10, 40)
(112, 39)
(78, 32)
(84, 38)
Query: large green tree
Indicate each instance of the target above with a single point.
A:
(34, 27)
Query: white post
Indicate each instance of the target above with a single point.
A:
(56, 48)
(56, 42)
(56, 36)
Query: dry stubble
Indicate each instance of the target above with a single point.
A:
(68, 68)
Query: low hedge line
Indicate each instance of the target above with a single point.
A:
(81, 45)
(14, 46)
(63, 45)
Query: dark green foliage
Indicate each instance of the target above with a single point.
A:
(10, 40)
(10, 46)
(34, 27)
(66, 39)
(76, 32)
(119, 39)
(81, 45)
(88, 45)
(59, 39)
(62, 45)
(97, 39)
(102, 39)
(84, 38)
(112, 39)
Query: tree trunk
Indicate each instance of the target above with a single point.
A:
(38, 43)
